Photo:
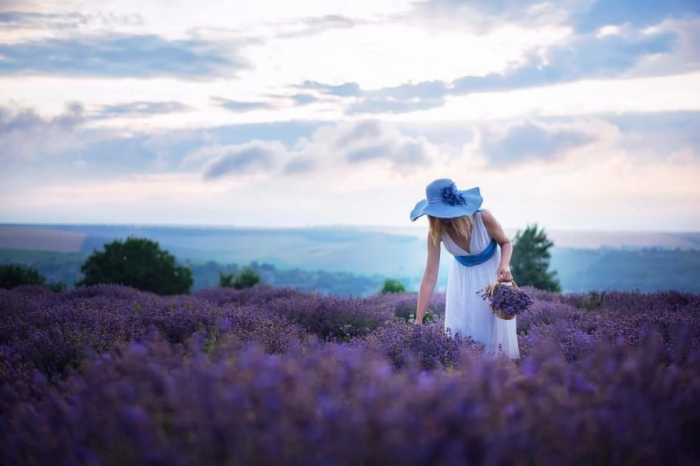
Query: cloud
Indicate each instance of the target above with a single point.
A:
(25, 133)
(402, 99)
(482, 17)
(241, 106)
(312, 26)
(65, 21)
(637, 13)
(330, 147)
(14, 5)
(585, 16)
(579, 57)
(686, 51)
(368, 141)
(397, 99)
(253, 157)
(304, 99)
(525, 140)
(408, 153)
(114, 55)
(657, 136)
(280, 101)
(341, 90)
(142, 108)
(299, 165)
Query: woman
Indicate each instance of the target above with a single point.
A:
(482, 253)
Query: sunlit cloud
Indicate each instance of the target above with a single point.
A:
(26, 134)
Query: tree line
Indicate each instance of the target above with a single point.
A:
(136, 262)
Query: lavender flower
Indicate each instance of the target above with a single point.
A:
(509, 300)
(110, 375)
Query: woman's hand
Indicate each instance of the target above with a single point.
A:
(418, 322)
(503, 274)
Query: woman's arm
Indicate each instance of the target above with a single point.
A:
(494, 229)
(427, 283)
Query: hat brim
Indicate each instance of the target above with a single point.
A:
(441, 210)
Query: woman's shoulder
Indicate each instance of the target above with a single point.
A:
(485, 215)
(488, 220)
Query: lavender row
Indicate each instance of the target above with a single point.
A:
(160, 403)
(110, 375)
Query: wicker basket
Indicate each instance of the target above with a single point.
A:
(491, 288)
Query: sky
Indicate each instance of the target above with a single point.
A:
(573, 114)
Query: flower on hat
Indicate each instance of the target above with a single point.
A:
(451, 196)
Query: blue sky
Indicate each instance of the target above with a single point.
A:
(576, 114)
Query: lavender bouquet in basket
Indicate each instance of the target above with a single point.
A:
(506, 300)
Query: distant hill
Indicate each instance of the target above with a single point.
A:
(584, 260)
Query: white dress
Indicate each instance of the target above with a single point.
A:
(465, 312)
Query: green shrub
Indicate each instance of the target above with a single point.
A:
(246, 279)
(12, 275)
(139, 263)
(393, 286)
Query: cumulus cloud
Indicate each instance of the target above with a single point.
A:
(119, 55)
(25, 133)
(368, 141)
(658, 136)
(250, 158)
(527, 140)
(345, 144)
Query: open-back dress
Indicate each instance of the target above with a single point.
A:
(465, 312)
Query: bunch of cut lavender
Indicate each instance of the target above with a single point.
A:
(510, 300)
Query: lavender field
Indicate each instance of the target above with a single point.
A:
(108, 375)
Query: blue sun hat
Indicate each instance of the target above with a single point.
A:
(444, 200)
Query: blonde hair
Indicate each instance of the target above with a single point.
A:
(463, 225)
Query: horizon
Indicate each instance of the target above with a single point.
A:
(72, 237)
(330, 226)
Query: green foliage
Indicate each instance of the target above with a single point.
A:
(530, 261)
(392, 286)
(61, 269)
(226, 280)
(57, 287)
(590, 301)
(140, 263)
(246, 279)
(12, 275)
